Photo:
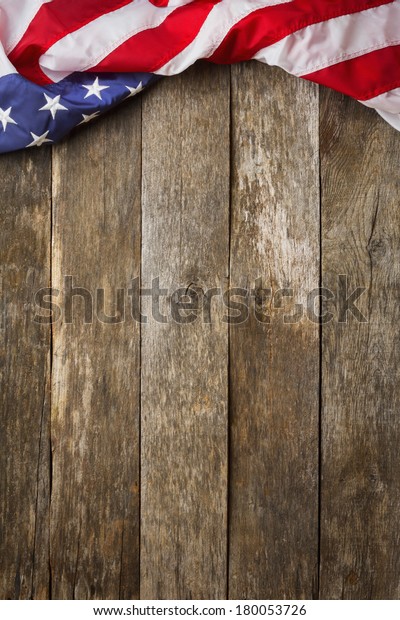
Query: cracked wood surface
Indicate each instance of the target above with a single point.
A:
(185, 217)
(25, 241)
(274, 365)
(203, 460)
(94, 520)
(360, 492)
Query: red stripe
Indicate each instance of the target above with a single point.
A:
(149, 50)
(364, 77)
(52, 22)
(271, 24)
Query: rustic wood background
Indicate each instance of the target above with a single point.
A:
(204, 461)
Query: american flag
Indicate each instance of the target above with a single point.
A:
(64, 62)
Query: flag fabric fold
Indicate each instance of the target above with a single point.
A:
(64, 62)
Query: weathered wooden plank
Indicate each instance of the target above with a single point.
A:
(96, 375)
(25, 209)
(360, 529)
(185, 215)
(274, 378)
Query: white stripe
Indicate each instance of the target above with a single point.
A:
(386, 102)
(392, 119)
(176, 3)
(85, 48)
(6, 68)
(214, 30)
(335, 40)
(15, 17)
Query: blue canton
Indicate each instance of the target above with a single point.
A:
(32, 115)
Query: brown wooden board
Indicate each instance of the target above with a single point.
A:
(360, 500)
(185, 367)
(25, 212)
(274, 366)
(96, 373)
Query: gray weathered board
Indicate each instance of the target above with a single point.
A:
(195, 457)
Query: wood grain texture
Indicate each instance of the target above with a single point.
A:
(25, 211)
(96, 375)
(360, 500)
(274, 381)
(183, 460)
(185, 367)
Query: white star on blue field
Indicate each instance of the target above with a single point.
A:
(32, 115)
